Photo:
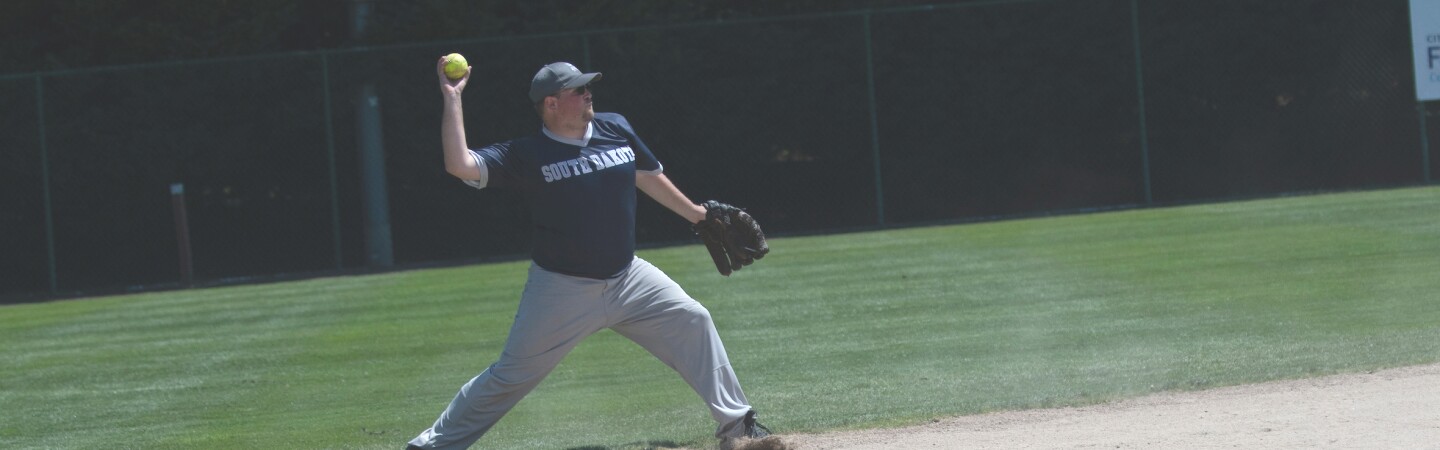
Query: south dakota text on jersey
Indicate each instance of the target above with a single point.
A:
(586, 164)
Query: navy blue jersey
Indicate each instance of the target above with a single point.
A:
(581, 193)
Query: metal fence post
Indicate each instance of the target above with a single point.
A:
(330, 153)
(585, 50)
(1424, 141)
(182, 234)
(1140, 96)
(374, 194)
(45, 181)
(874, 122)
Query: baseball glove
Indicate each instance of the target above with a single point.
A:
(732, 237)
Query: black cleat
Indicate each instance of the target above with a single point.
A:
(753, 429)
(753, 436)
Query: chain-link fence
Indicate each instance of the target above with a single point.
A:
(814, 123)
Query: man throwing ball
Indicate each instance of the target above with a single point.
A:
(579, 173)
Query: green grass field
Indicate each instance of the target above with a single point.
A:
(842, 331)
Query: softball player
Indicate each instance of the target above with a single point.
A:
(579, 174)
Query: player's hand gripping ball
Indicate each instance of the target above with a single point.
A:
(456, 66)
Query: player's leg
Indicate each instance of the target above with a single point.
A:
(662, 318)
(556, 312)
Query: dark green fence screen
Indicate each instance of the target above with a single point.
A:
(815, 123)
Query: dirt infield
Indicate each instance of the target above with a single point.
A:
(1396, 408)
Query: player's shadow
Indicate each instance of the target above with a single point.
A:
(641, 445)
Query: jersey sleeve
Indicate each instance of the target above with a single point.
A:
(644, 160)
(496, 166)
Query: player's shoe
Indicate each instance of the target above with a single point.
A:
(753, 429)
(755, 437)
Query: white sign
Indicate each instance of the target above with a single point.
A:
(1425, 30)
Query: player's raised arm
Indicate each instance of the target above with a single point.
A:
(458, 161)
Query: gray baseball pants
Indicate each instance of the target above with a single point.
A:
(557, 311)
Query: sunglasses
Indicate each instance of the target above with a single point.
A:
(582, 90)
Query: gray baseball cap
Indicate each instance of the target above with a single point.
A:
(556, 76)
